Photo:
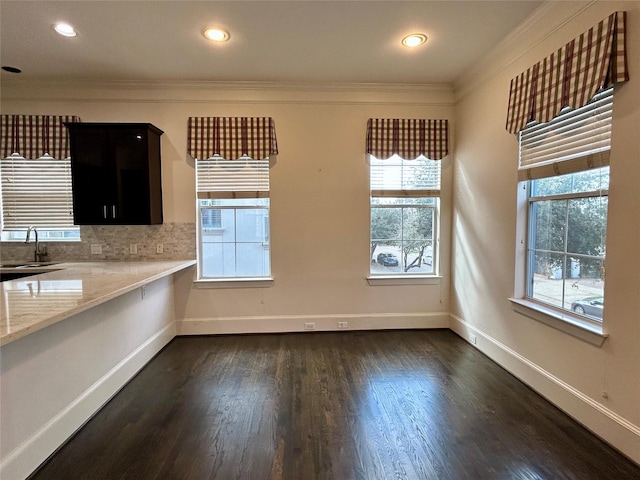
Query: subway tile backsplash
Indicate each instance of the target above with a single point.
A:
(178, 242)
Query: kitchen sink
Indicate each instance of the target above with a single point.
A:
(14, 270)
(27, 264)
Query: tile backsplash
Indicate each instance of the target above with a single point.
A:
(177, 241)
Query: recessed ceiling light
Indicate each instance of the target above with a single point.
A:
(216, 34)
(414, 40)
(65, 29)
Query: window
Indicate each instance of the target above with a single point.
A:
(37, 192)
(232, 157)
(404, 215)
(565, 164)
(233, 201)
(567, 241)
(35, 182)
(561, 108)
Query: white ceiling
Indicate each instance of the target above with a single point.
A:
(277, 41)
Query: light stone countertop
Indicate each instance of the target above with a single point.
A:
(29, 304)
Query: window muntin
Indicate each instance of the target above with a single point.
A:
(233, 205)
(404, 216)
(37, 192)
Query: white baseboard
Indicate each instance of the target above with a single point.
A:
(603, 422)
(324, 323)
(36, 449)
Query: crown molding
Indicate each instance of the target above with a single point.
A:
(531, 33)
(92, 83)
(111, 91)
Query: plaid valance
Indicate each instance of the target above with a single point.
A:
(34, 135)
(407, 138)
(231, 137)
(571, 76)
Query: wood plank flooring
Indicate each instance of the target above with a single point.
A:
(334, 406)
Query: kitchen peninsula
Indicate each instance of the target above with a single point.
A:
(71, 338)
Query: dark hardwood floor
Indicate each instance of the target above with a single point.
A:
(335, 406)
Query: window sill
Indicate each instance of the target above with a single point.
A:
(404, 280)
(564, 321)
(234, 282)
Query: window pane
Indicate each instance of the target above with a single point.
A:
(211, 218)
(252, 259)
(587, 226)
(547, 281)
(587, 181)
(386, 258)
(548, 225)
(225, 232)
(386, 224)
(251, 225)
(417, 224)
(212, 259)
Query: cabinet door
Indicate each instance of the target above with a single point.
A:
(92, 178)
(129, 153)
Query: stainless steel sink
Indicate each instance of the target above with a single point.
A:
(27, 264)
(15, 270)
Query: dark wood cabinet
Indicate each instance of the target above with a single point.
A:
(116, 173)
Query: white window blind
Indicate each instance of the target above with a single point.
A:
(241, 178)
(36, 193)
(397, 177)
(575, 140)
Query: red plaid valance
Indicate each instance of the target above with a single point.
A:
(34, 135)
(231, 137)
(407, 138)
(571, 76)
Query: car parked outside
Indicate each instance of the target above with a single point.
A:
(387, 259)
(591, 306)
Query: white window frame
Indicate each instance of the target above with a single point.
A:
(399, 190)
(223, 188)
(594, 154)
(23, 208)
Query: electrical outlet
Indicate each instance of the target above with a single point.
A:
(96, 249)
(143, 291)
(309, 325)
(473, 338)
(343, 324)
(159, 248)
(133, 248)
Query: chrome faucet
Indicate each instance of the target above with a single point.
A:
(38, 254)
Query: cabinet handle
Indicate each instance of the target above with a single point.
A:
(104, 211)
(113, 210)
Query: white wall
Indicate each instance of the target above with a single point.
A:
(570, 372)
(319, 194)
